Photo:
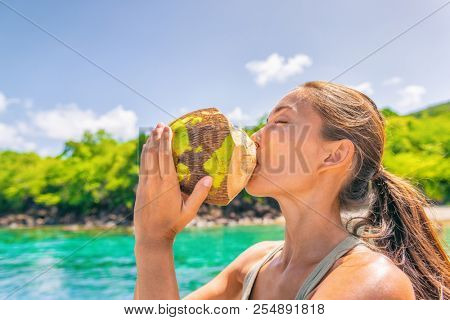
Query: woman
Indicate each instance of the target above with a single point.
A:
(319, 153)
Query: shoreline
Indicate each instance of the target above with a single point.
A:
(440, 215)
(97, 224)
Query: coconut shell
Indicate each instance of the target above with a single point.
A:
(206, 143)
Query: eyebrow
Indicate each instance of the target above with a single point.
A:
(278, 109)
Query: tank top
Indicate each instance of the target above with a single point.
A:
(313, 278)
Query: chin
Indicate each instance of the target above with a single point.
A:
(255, 186)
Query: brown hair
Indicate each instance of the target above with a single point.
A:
(396, 224)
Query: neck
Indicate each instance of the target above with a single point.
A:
(313, 228)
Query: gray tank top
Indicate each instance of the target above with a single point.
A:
(313, 278)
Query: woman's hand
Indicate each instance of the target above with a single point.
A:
(161, 209)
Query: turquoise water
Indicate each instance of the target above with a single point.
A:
(105, 267)
(101, 265)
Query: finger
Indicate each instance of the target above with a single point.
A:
(152, 161)
(142, 163)
(195, 200)
(147, 163)
(166, 164)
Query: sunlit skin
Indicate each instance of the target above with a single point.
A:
(304, 173)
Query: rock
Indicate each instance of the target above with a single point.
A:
(232, 223)
(257, 220)
(222, 221)
(245, 221)
(110, 224)
(201, 223)
(215, 212)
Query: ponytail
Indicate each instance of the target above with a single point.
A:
(400, 229)
(396, 225)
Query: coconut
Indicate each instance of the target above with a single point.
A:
(206, 143)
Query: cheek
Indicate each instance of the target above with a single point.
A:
(276, 155)
(308, 157)
(286, 163)
(292, 152)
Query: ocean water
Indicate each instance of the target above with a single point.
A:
(52, 263)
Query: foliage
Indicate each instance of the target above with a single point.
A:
(96, 173)
(100, 174)
(417, 148)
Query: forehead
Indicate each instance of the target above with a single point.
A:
(292, 103)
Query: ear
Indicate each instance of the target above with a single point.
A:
(337, 154)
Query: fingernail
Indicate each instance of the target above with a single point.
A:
(207, 182)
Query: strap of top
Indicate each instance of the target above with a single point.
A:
(251, 275)
(313, 278)
(325, 264)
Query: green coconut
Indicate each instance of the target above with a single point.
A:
(206, 143)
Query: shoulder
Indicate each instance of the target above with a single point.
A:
(365, 274)
(249, 257)
(228, 283)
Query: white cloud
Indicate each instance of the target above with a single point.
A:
(5, 102)
(364, 87)
(392, 81)
(59, 124)
(411, 98)
(49, 151)
(237, 116)
(275, 68)
(10, 138)
(69, 122)
(23, 128)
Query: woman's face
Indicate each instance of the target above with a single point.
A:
(289, 149)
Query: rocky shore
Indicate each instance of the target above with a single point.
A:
(112, 220)
(238, 212)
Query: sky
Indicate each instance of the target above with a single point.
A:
(113, 61)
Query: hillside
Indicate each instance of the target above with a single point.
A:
(417, 148)
(96, 177)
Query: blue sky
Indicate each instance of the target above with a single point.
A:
(240, 56)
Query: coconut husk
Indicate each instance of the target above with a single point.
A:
(206, 143)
